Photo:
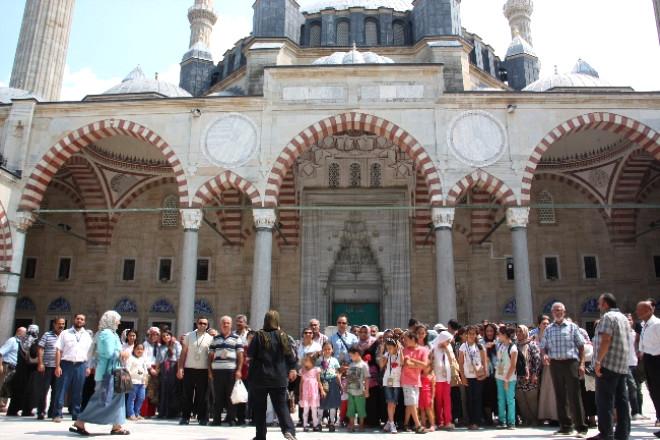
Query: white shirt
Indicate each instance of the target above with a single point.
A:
(74, 345)
(392, 376)
(441, 363)
(649, 340)
(504, 356)
(632, 356)
(138, 368)
(471, 359)
(150, 352)
(198, 350)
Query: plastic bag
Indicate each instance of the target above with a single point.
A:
(239, 394)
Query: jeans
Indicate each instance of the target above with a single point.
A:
(135, 400)
(611, 393)
(278, 397)
(45, 382)
(635, 407)
(195, 387)
(72, 380)
(475, 392)
(506, 402)
(568, 393)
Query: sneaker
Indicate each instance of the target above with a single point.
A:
(289, 436)
(386, 428)
(637, 417)
(582, 434)
(393, 429)
(331, 428)
(565, 433)
(501, 426)
(57, 419)
(317, 428)
(305, 429)
(184, 422)
(511, 427)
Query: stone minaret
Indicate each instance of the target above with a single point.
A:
(656, 5)
(42, 47)
(519, 14)
(202, 18)
(197, 62)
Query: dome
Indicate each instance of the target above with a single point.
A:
(585, 68)
(137, 82)
(9, 93)
(353, 57)
(566, 80)
(519, 46)
(313, 6)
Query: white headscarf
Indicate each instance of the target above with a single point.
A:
(110, 320)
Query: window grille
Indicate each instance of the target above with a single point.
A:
(315, 35)
(399, 34)
(333, 175)
(371, 33)
(547, 214)
(376, 176)
(343, 33)
(170, 216)
(356, 175)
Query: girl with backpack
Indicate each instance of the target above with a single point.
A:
(505, 375)
(473, 363)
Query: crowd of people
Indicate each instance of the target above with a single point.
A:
(421, 379)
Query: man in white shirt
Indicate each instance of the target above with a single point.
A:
(649, 346)
(193, 369)
(71, 357)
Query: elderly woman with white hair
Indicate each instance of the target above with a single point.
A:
(105, 407)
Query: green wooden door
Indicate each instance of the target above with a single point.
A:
(358, 313)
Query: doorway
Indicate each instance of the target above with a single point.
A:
(358, 313)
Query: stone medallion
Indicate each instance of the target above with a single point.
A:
(231, 141)
(477, 138)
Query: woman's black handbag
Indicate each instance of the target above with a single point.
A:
(122, 379)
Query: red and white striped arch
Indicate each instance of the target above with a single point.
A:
(6, 250)
(486, 182)
(227, 180)
(69, 145)
(136, 192)
(358, 122)
(633, 130)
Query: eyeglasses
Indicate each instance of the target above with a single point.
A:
(307, 333)
(342, 322)
(202, 323)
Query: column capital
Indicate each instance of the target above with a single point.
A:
(443, 217)
(264, 218)
(23, 220)
(517, 217)
(191, 219)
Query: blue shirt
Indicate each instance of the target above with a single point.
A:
(9, 351)
(341, 344)
(107, 352)
(562, 341)
(47, 342)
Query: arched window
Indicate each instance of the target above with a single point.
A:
(398, 33)
(315, 35)
(371, 32)
(356, 175)
(169, 217)
(343, 33)
(547, 213)
(375, 176)
(333, 175)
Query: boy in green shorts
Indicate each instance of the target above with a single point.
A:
(357, 386)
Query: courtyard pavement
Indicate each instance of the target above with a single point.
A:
(15, 428)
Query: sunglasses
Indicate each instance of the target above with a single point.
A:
(307, 333)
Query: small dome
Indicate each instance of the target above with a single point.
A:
(519, 46)
(313, 6)
(585, 69)
(9, 93)
(137, 82)
(566, 80)
(353, 57)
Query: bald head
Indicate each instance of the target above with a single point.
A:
(644, 310)
(20, 332)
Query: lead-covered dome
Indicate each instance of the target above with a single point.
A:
(137, 82)
(313, 6)
(582, 75)
(7, 94)
(353, 57)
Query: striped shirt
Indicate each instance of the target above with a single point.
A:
(225, 351)
(47, 342)
(562, 341)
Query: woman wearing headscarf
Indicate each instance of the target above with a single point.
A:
(272, 366)
(26, 368)
(105, 407)
(527, 388)
(171, 388)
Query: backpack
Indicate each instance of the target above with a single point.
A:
(521, 362)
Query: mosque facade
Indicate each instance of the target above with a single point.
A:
(372, 157)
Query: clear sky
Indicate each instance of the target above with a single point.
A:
(110, 37)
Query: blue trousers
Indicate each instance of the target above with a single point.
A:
(506, 402)
(135, 400)
(71, 381)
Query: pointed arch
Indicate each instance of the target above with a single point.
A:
(126, 200)
(636, 132)
(358, 122)
(76, 140)
(224, 181)
(487, 183)
(6, 249)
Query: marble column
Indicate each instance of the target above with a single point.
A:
(517, 219)
(443, 220)
(11, 281)
(192, 221)
(264, 222)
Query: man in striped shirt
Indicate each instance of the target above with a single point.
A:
(225, 363)
(45, 378)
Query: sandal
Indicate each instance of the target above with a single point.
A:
(420, 430)
(78, 430)
(119, 432)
